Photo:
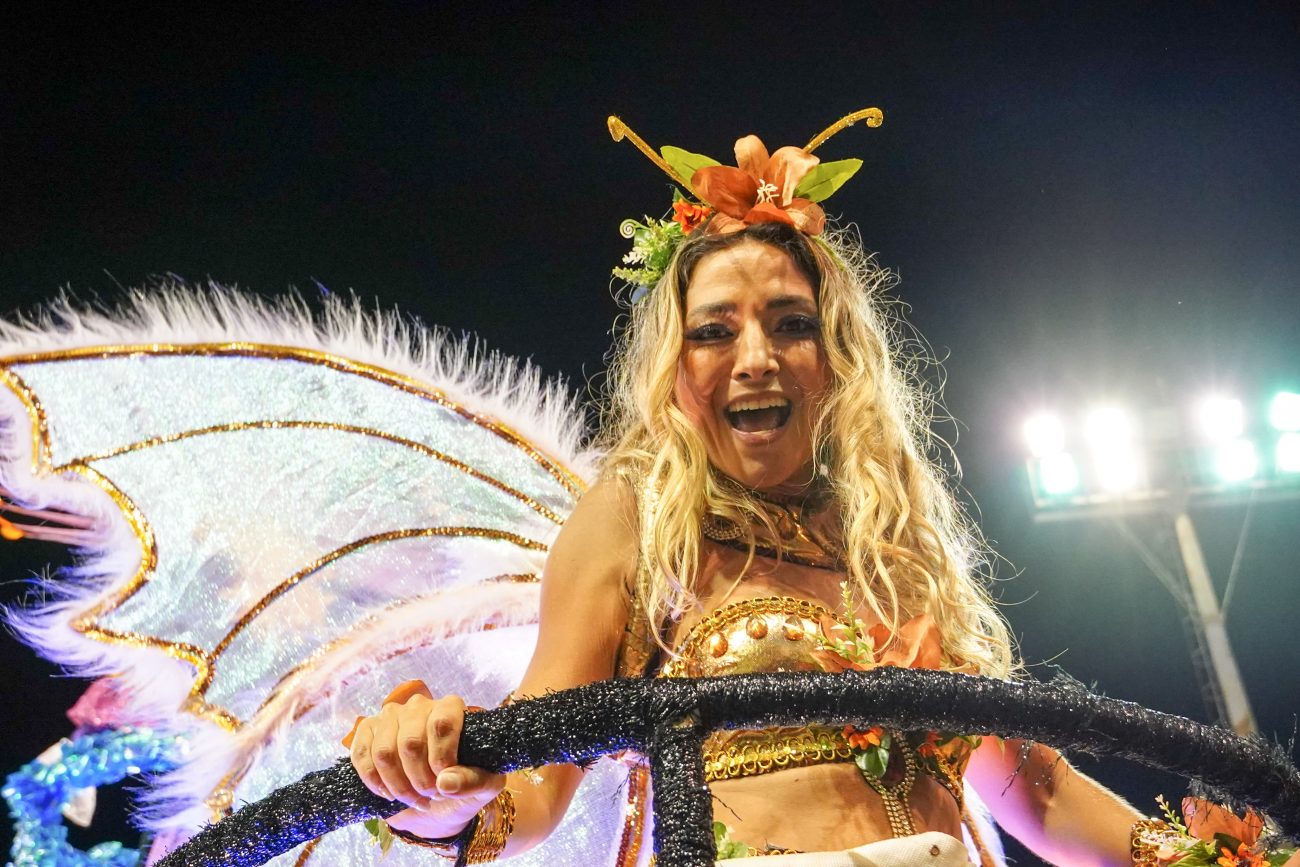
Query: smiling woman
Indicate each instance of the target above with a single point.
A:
(768, 501)
(753, 372)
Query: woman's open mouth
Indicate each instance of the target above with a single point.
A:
(759, 414)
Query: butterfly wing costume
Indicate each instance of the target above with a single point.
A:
(290, 514)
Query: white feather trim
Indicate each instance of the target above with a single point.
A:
(543, 411)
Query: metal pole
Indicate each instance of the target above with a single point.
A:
(1210, 620)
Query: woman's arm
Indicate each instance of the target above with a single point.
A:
(1058, 813)
(408, 751)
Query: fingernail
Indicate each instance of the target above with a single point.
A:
(450, 782)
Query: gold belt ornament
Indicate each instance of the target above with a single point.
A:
(745, 754)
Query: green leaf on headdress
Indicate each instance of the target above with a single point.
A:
(825, 179)
(686, 163)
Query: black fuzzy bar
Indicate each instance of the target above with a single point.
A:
(667, 720)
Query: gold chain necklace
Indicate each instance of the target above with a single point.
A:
(782, 530)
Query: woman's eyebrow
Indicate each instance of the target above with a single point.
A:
(788, 301)
(717, 308)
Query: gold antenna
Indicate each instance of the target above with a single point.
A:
(873, 116)
(618, 129)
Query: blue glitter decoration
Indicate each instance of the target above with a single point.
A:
(37, 793)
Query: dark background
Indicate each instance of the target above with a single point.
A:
(1083, 201)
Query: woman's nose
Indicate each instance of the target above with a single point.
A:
(755, 356)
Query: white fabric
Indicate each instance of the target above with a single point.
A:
(931, 849)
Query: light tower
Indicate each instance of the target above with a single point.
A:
(1110, 463)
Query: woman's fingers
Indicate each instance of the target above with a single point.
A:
(460, 781)
(400, 752)
(359, 749)
(413, 745)
(442, 728)
(388, 757)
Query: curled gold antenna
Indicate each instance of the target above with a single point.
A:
(873, 116)
(618, 130)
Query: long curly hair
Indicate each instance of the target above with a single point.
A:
(910, 548)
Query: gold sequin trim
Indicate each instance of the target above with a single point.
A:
(763, 751)
(638, 797)
(305, 855)
(230, 427)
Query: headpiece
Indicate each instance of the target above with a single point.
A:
(783, 187)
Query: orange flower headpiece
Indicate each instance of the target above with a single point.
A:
(783, 187)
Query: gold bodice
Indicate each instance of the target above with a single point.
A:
(777, 633)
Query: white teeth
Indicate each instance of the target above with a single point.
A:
(758, 403)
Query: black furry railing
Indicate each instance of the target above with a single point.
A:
(667, 719)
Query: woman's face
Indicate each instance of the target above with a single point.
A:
(753, 373)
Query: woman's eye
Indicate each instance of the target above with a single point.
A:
(708, 332)
(800, 325)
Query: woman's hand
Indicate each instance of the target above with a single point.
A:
(407, 752)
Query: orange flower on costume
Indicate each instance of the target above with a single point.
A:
(931, 745)
(1204, 819)
(689, 216)
(1244, 857)
(860, 740)
(760, 189)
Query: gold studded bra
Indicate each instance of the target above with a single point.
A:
(777, 633)
(773, 633)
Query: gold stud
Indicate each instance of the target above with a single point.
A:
(793, 627)
(717, 644)
(756, 627)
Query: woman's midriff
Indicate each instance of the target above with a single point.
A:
(822, 807)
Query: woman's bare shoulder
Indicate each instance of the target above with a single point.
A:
(605, 520)
(600, 540)
(584, 591)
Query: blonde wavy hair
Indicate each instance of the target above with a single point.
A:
(910, 549)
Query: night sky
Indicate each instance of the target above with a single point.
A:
(1083, 202)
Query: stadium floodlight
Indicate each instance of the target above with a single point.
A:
(1286, 455)
(1058, 474)
(1045, 434)
(1236, 460)
(1220, 418)
(1118, 469)
(1109, 427)
(1284, 412)
(1112, 437)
